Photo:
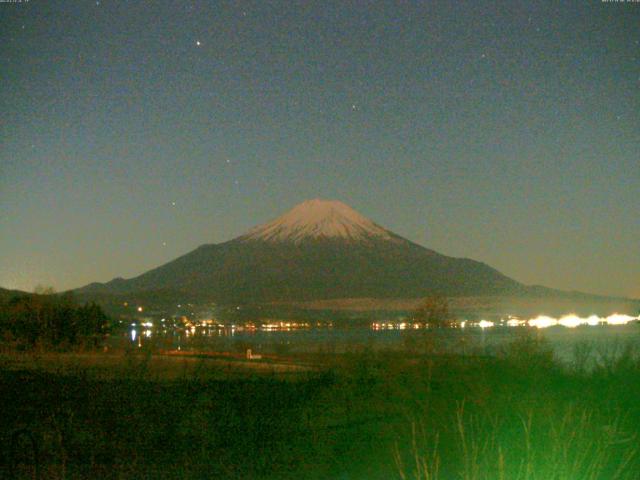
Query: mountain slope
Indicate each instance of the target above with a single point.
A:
(318, 250)
(6, 294)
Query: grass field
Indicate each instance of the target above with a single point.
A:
(360, 415)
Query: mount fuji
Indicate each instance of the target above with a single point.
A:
(318, 250)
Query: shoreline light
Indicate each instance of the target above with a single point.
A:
(572, 320)
(617, 319)
(542, 321)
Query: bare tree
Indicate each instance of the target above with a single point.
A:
(43, 290)
(434, 311)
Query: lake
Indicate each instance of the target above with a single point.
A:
(600, 340)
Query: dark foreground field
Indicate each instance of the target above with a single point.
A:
(366, 415)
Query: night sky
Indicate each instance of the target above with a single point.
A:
(507, 132)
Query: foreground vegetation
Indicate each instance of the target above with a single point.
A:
(362, 415)
(46, 320)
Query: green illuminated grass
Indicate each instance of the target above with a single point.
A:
(515, 415)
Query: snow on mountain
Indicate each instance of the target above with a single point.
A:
(318, 219)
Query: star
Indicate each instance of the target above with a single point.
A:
(173, 204)
(354, 107)
(198, 43)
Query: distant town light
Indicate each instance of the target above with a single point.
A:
(594, 320)
(542, 321)
(571, 321)
(617, 319)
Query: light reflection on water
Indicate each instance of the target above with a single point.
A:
(563, 334)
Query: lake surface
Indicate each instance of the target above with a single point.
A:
(600, 341)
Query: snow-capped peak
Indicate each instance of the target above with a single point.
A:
(316, 219)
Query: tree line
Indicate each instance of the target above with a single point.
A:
(51, 320)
